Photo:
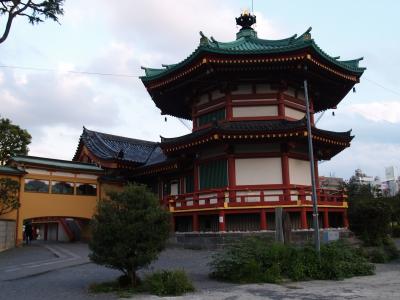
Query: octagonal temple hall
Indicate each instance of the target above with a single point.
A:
(247, 153)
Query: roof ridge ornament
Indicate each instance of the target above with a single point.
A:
(204, 41)
(246, 20)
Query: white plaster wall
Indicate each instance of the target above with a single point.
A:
(299, 172)
(257, 148)
(272, 195)
(216, 94)
(255, 111)
(291, 92)
(294, 113)
(243, 89)
(264, 89)
(202, 99)
(252, 171)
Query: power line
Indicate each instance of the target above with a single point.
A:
(383, 87)
(137, 76)
(69, 71)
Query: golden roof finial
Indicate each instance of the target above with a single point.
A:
(245, 12)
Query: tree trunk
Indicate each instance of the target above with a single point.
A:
(133, 278)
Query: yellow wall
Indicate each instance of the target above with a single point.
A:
(36, 205)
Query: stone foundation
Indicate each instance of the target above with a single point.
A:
(218, 240)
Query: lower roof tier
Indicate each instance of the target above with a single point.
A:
(259, 131)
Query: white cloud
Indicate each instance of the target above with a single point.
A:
(372, 158)
(387, 111)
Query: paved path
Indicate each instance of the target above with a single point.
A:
(51, 271)
(40, 258)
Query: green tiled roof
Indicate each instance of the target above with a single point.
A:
(10, 171)
(56, 163)
(247, 42)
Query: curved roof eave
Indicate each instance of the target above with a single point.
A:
(252, 45)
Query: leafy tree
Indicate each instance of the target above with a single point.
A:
(8, 195)
(13, 140)
(34, 10)
(370, 219)
(129, 230)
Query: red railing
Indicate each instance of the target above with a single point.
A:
(248, 197)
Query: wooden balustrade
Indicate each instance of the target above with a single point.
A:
(220, 198)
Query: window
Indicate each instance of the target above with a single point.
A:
(86, 189)
(61, 187)
(37, 186)
(213, 174)
(210, 117)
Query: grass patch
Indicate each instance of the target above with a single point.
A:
(168, 283)
(161, 283)
(253, 260)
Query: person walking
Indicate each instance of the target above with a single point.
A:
(28, 233)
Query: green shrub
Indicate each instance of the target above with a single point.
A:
(252, 260)
(370, 219)
(168, 283)
(390, 249)
(396, 231)
(378, 256)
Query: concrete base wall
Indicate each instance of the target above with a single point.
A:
(218, 240)
(7, 234)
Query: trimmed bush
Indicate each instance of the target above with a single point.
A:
(252, 260)
(168, 283)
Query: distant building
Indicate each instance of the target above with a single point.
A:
(392, 182)
(374, 182)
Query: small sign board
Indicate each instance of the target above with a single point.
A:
(330, 236)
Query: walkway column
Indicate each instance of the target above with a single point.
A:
(345, 219)
(263, 220)
(221, 221)
(195, 222)
(326, 218)
(304, 224)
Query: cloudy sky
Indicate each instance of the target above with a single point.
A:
(120, 36)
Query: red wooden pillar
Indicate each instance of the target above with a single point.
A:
(285, 172)
(326, 218)
(221, 220)
(281, 105)
(229, 109)
(231, 171)
(196, 176)
(345, 219)
(195, 222)
(304, 224)
(263, 220)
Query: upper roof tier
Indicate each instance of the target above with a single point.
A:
(247, 42)
(214, 64)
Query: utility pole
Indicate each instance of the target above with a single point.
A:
(313, 184)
